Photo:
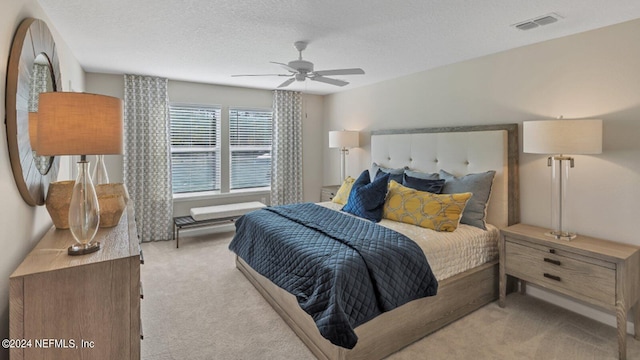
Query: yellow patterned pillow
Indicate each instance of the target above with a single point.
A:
(440, 212)
(343, 193)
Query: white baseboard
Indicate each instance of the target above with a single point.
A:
(583, 309)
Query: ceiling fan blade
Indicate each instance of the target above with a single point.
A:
(261, 75)
(354, 71)
(286, 83)
(286, 66)
(329, 80)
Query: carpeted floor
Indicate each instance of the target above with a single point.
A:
(198, 306)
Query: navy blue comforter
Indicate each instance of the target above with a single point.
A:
(343, 270)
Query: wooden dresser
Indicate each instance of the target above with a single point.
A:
(599, 272)
(78, 307)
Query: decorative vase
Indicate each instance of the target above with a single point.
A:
(113, 199)
(58, 199)
(111, 209)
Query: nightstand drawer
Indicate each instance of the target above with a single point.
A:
(567, 275)
(328, 192)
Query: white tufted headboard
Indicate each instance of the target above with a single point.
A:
(459, 150)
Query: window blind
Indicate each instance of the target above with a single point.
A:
(195, 148)
(250, 147)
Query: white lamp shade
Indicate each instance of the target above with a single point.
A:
(343, 139)
(572, 137)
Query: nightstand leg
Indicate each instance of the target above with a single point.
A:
(636, 320)
(503, 291)
(621, 317)
(523, 287)
(503, 277)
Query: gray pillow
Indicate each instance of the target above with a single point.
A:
(422, 175)
(375, 167)
(480, 185)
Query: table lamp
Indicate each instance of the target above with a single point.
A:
(80, 124)
(344, 140)
(559, 138)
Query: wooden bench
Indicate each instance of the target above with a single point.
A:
(212, 216)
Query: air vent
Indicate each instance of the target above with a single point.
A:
(546, 20)
(527, 25)
(538, 21)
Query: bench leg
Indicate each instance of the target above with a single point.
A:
(196, 224)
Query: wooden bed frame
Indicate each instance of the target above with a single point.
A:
(391, 331)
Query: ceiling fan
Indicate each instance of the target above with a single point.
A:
(300, 69)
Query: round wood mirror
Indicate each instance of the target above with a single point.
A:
(33, 68)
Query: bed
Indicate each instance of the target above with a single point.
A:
(459, 150)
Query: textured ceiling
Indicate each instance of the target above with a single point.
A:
(209, 40)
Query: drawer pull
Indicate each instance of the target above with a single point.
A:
(554, 262)
(553, 251)
(141, 257)
(552, 277)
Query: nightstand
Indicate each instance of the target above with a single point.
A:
(599, 272)
(328, 192)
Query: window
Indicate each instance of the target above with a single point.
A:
(195, 148)
(197, 144)
(250, 148)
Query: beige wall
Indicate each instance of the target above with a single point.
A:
(22, 225)
(590, 75)
(111, 85)
(228, 96)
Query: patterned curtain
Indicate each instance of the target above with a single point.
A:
(286, 157)
(147, 157)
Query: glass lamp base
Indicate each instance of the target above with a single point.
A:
(83, 249)
(561, 235)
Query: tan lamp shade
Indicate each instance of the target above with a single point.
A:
(343, 139)
(79, 124)
(562, 136)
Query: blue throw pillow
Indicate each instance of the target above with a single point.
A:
(422, 175)
(366, 198)
(430, 185)
(375, 169)
(392, 175)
